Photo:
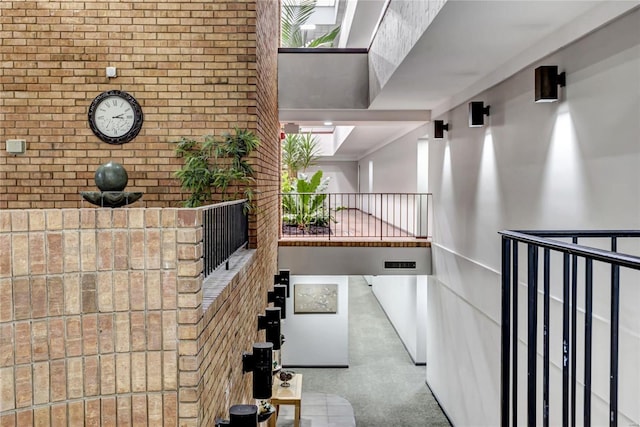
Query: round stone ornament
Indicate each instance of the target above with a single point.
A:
(111, 176)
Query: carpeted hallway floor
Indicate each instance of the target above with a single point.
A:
(382, 384)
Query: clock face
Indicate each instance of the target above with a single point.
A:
(115, 117)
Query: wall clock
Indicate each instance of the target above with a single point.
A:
(115, 117)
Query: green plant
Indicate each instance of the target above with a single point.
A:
(299, 151)
(217, 164)
(306, 207)
(296, 14)
(286, 185)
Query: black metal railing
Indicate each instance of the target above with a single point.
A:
(225, 230)
(571, 262)
(356, 215)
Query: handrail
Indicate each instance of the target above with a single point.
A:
(347, 50)
(623, 260)
(570, 252)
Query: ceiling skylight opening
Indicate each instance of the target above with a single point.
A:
(317, 129)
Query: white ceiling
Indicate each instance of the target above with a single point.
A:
(469, 46)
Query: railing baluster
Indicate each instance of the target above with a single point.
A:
(227, 252)
(427, 217)
(587, 340)
(206, 245)
(329, 222)
(381, 215)
(545, 345)
(504, 357)
(514, 338)
(565, 339)
(532, 322)
(574, 333)
(613, 354)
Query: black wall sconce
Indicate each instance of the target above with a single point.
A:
(241, 416)
(477, 111)
(283, 278)
(278, 296)
(270, 322)
(439, 126)
(547, 82)
(260, 363)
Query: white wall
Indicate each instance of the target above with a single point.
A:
(343, 175)
(574, 164)
(392, 172)
(404, 301)
(317, 339)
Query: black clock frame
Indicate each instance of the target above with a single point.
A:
(138, 117)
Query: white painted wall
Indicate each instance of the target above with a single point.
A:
(572, 164)
(343, 175)
(317, 339)
(404, 300)
(392, 172)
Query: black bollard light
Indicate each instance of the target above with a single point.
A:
(260, 363)
(240, 416)
(279, 299)
(271, 323)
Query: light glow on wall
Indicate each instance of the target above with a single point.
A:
(562, 196)
(487, 205)
(442, 221)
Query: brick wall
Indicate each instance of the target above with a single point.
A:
(237, 308)
(89, 315)
(102, 319)
(190, 63)
(87, 333)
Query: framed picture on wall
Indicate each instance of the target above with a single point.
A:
(315, 298)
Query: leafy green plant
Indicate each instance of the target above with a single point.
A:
(306, 207)
(299, 151)
(296, 14)
(217, 165)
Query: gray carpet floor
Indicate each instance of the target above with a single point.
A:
(319, 410)
(382, 384)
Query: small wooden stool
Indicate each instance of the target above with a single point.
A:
(291, 395)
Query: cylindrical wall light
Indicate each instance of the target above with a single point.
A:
(271, 323)
(241, 416)
(439, 126)
(260, 363)
(477, 111)
(279, 299)
(547, 81)
(283, 278)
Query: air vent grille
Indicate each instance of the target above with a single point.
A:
(400, 264)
